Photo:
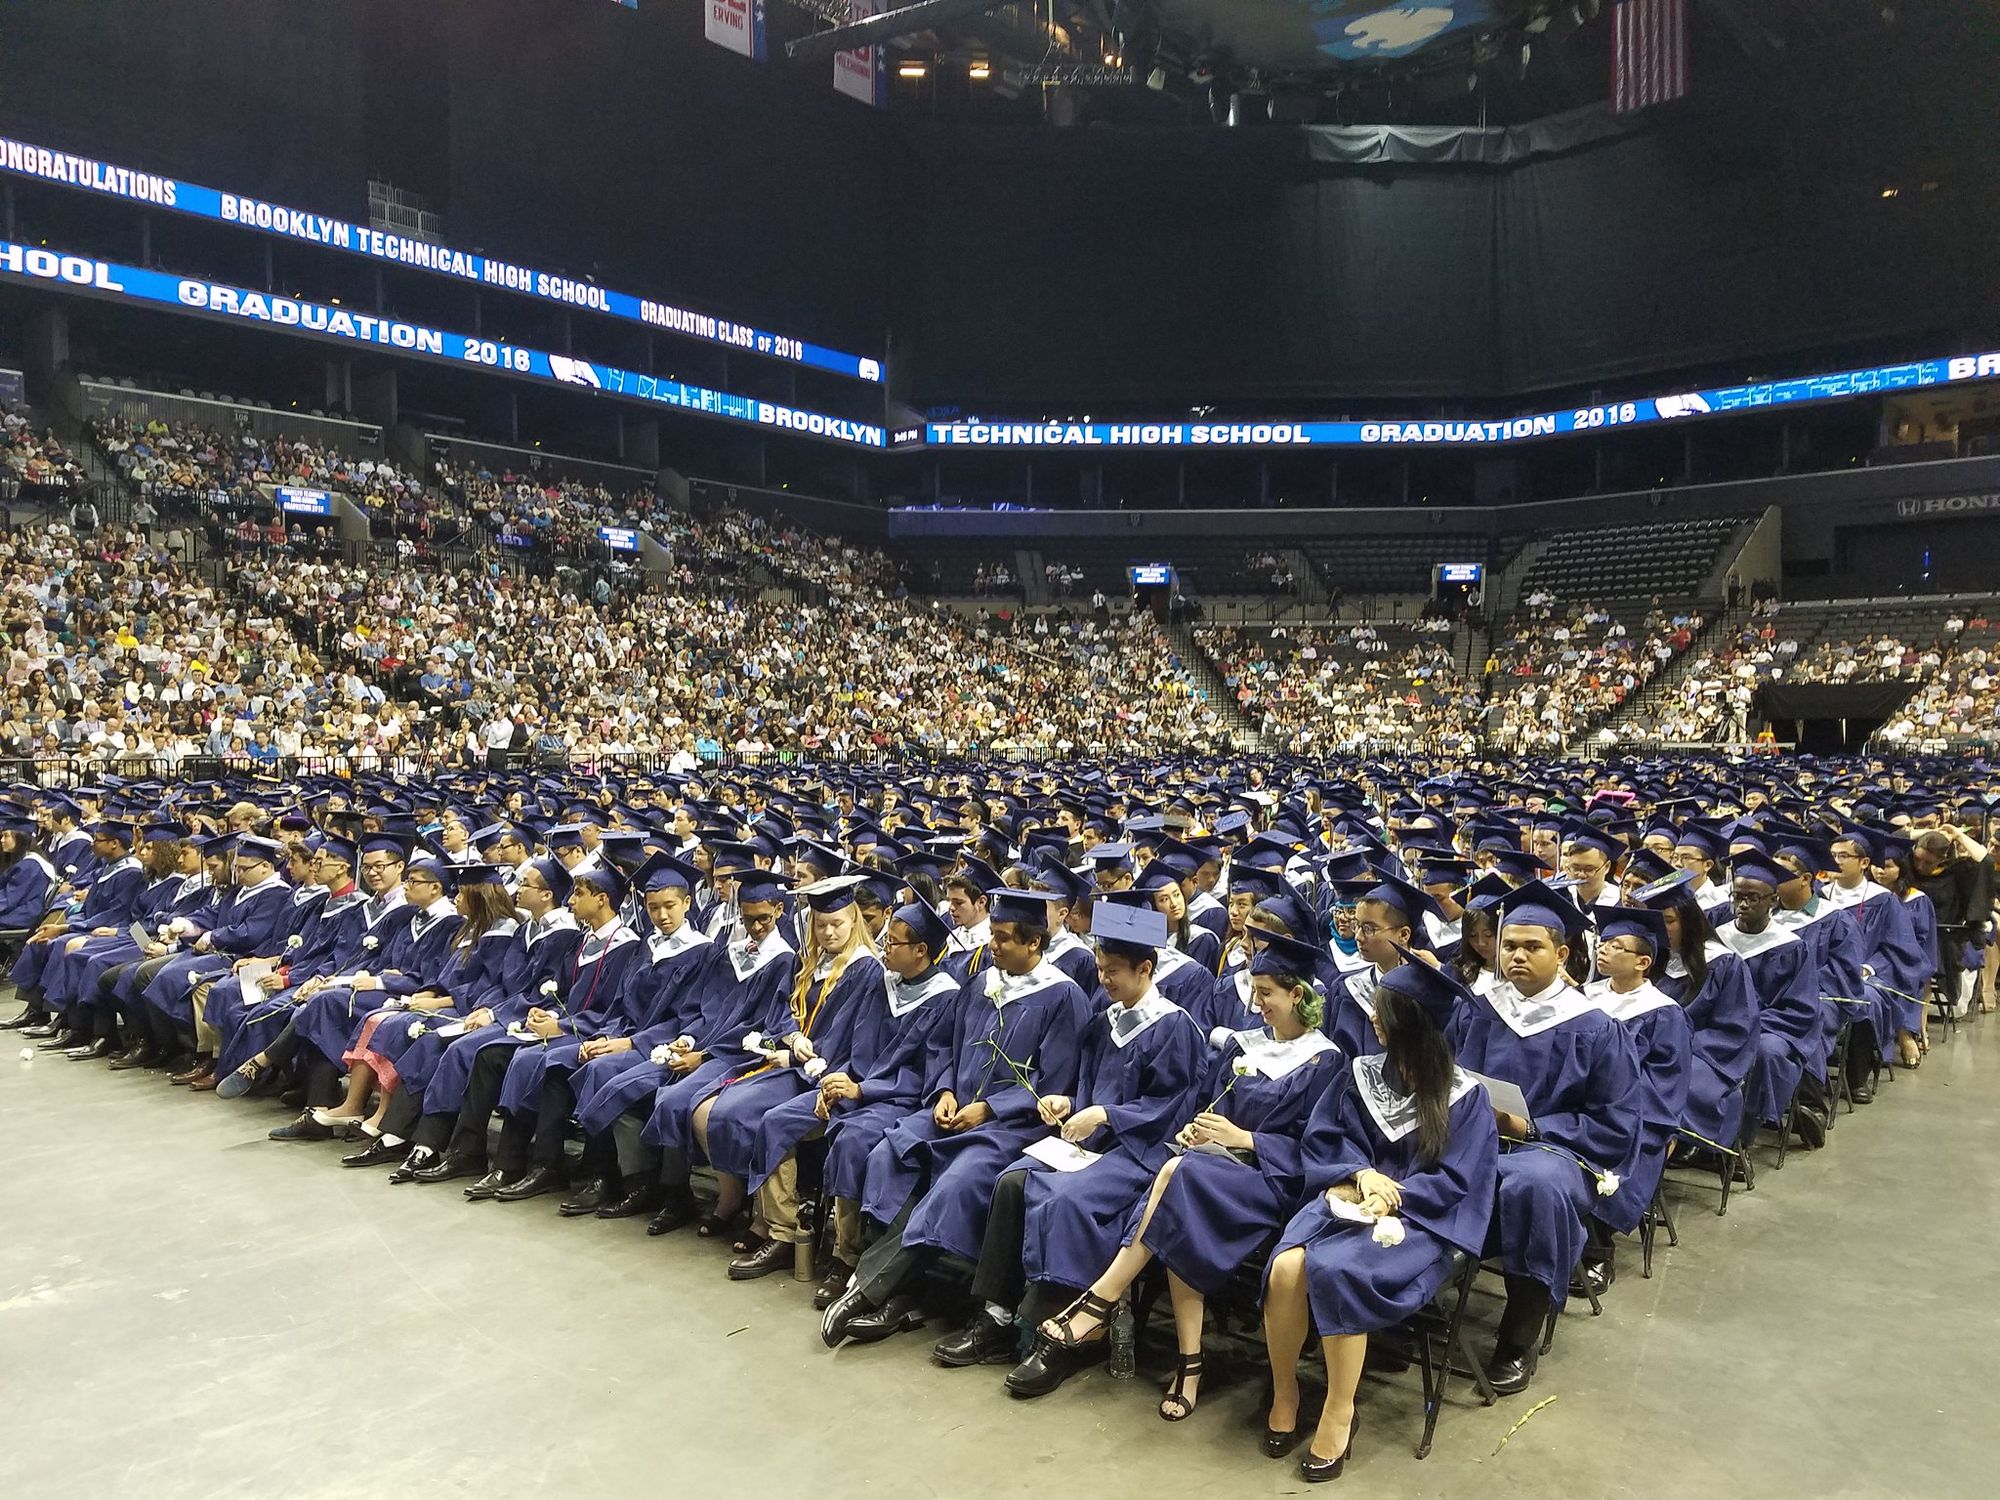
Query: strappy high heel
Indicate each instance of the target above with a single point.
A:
(1177, 1405)
(1088, 1304)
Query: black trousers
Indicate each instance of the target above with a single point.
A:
(999, 1277)
(465, 1135)
(887, 1264)
(537, 1137)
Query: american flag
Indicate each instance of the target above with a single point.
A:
(1649, 53)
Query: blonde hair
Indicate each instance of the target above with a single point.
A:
(858, 937)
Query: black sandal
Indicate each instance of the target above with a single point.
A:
(1175, 1406)
(714, 1226)
(1089, 1303)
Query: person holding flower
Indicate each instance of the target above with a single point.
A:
(1579, 1075)
(1402, 1157)
(1234, 1180)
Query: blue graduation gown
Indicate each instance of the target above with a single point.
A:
(1580, 1075)
(1218, 1213)
(1074, 957)
(1037, 1020)
(250, 921)
(1894, 958)
(1722, 1017)
(110, 900)
(837, 1012)
(24, 890)
(409, 958)
(1226, 1009)
(1790, 1015)
(1146, 1083)
(897, 1048)
(543, 951)
(1350, 1012)
(1664, 1043)
(165, 899)
(1364, 1120)
(400, 1060)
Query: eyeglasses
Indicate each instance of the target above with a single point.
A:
(1371, 929)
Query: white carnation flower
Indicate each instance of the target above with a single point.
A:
(753, 1041)
(297, 939)
(660, 1055)
(417, 1029)
(815, 1067)
(1607, 1184)
(370, 944)
(549, 987)
(1388, 1231)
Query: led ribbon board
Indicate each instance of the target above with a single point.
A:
(40, 266)
(191, 198)
(1430, 433)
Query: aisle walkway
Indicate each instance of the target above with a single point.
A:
(188, 1310)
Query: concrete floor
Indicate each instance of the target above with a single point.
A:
(189, 1310)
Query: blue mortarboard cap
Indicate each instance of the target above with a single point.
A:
(835, 893)
(1285, 957)
(1753, 865)
(1633, 921)
(925, 925)
(1289, 909)
(1666, 891)
(463, 877)
(248, 846)
(761, 885)
(1117, 923)
(554, 875)
(1520, 864)
(341, 849)
(1591, 836)
(1112, 856)
(1260, 884)
(1404, 897)
(1437, 992)
(662, 872)
(1537, 905)
(1005, 904)
(1486, 892)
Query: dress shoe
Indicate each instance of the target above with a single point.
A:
(644, 1199)
(1280, 1444)
(135, 1057)
(832, 1285)
(376, 1154)
(99, 1048)
(900, 1314)
(677, 1212)
(539, 1180)
(41, 1030)
(1593, 1278)
(1048, 1365)
(772, 1255)
(980, 1342)
(1321, 1470)
(1811, 1126)
(203, 1083)
(1509, 1374)
(840, 1315)
(182, 1062)
(420, 1159)
(1860, 1090)
(27, 1018)
(483, 1190)
(588, 1199)
(451, 1165)
(62, 1041)
(304, 1128)
(293, 1098)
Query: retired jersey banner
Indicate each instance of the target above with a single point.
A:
(737, 25)
(863, 72)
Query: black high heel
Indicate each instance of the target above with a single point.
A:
(1321, 1470)
(1089, 1305)
(1175, 1406)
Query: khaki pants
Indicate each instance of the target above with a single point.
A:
(846, 1230)
(206, 1037)
(778, 1202)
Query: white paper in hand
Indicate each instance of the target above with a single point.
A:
(253, 994)
(1054, 1151)
(1506, 1097)
(456, 1028)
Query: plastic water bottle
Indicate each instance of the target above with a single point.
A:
(1123, 1364)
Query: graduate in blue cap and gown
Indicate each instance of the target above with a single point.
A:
(1579, 1075)
(1792, 1038)
(1893, 872)
(884, 1078)
(106, 901)
(1631, 944)
(1388, 917)
(1067, 951)
(1015, 1041)
(579, 1003)
(470, 966)
(1142, 1059)
(1218, 1201)
(1230, 1005)
(835, 1002)
(27, 876)
(1703, 849)
(1714, 988)
(1165, 882)
(1895, 963)
(1401, 1157)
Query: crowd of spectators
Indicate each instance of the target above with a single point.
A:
(1560, 672)
(33, 455)
(1340, 689)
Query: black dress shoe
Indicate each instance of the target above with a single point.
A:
(1593, 1278)
(1860, 1090)
(980, 1342)
(136, 1057)
(293, 1098)
(27, 1018)
(679, 1211)
(304, 1128)
(99, 1048)
(841, 1314)
(1509, 1374)
(1050, 1363)
(772, 1255)
(644, 1199)
(61, 1041)
(1320, 1470)
(449, 1166)
(900, 1314)
(376, 1154)
(419, 1159)
(1811, 1126)
(588, 1199)
(41, 1030)
(488, 1186)
(539, 1180)
(832, 1285)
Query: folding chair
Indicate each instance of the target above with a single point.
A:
(1440, 1338)
(1658, 1214)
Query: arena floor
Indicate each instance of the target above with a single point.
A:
(188, 1310)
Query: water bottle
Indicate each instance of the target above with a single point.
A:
(1123, 1365)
